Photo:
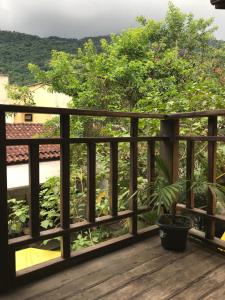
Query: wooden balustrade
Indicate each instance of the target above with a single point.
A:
(169, 150)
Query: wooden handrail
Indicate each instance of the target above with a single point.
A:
(106, 113)
(77, 112)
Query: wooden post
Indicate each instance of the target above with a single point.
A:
(65, 184)
(211, 205)
(151, 164)
(91, 181)
(6, 271)
(34, 189)
(169, 149)
(113, 179)
(190, 173)
(133, 174)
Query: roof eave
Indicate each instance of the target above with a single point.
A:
(219, 4)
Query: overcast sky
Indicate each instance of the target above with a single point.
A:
(80, 18)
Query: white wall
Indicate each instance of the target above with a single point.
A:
(18, 175)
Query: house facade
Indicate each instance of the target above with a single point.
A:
(42, 97)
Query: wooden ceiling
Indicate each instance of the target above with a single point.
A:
(219, 4)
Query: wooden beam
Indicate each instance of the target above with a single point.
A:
(219, 4)
(91, 181)
(190, 174)
(151, 161)
(113, 178)
(169, 149)
(133, 174)
(77, 112)
(34, 186)
(6, 272)
(65, 184)
(211, 205)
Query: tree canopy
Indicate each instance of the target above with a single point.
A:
(19, 49)
(165, 66)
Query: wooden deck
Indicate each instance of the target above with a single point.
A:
(140, 271)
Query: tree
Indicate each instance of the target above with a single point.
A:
(164, 66)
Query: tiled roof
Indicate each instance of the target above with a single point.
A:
(19, 154)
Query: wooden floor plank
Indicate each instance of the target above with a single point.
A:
(163, 283)
(217, 294)
(130, 255)
(111, 269)
(141, 271)
(204, 285)
(115, 282)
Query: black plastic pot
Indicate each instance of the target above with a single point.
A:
(173, 231)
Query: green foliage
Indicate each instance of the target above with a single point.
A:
(160, 194)
(20, 94)
(90, 237)
(50, 203)
(17, 50)
(18, 215)
(163, 66)
(218, 190)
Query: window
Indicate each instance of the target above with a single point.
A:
(28, 117)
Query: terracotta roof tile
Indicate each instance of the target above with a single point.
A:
(19, 154)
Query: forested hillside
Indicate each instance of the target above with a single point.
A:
(19, 49)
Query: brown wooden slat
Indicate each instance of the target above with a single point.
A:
(169, 149)
(133, 174)
(51, 233)
(105, 113)
(151, 161)
(144, 209)
(77, 112)
(150, 165)
(189, 174)
(23, 240)
(91, 181)
(33, 141)
(84, 140)
(211, 205)
(200, 212)
(101, 221)
(197, 114)
(65, 184)
(34, 190)
(214, 243)
(6, 276)
(116, 139)
(201, 138)
(113, 178)
(47, 234)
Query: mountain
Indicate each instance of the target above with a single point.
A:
(19, 49)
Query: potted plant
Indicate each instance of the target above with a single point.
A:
(162, 195)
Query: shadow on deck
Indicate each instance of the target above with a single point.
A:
(141, 271)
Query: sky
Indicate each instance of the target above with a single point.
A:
(84, 18)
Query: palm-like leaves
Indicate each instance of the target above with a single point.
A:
(162, 194)
(216, 189)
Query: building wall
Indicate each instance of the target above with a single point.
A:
(4, 80)
(42, 97)
(18, 178)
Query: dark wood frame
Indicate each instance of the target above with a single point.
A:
(219, 4)
(169, 149)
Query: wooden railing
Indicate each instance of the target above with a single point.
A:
(169, 149)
